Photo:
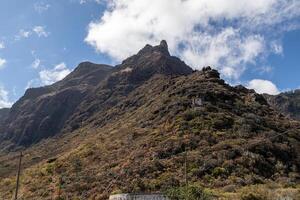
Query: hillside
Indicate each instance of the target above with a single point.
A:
(43, 112)
(130, 128)
(287, 103)
(3, 114)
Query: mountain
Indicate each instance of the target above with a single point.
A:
(287, 103)
(42, 112)
(133, 128)
(3, 114)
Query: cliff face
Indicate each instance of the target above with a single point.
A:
(127, 129)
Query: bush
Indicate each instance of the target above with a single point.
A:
(188, 193)
(219, 171)
(252, 196)
(191, 114)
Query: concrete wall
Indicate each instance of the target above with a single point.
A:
(138, 197)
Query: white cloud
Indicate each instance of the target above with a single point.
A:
(2, 45)
(263, 86)
(36, 63)
(4, 100)
(23, 34)
(229, 35)
(40, 31)
(51, 76)
(228, 51)
(2, 63)
(41, 7)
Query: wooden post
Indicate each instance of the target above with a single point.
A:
(18, 176)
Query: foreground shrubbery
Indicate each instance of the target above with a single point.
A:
(192, 192)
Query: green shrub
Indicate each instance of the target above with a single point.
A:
(219, 171)
(191, 192)
(252, 196)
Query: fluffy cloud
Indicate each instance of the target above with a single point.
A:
(2, 63)
(263, 86)
(40, 31)
(229, 35)
(51, 76)
(4, 100)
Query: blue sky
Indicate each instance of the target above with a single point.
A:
(65, 24)
(41, 41)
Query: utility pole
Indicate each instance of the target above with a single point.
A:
(18, 176)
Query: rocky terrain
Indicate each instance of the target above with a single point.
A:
(44, 112)
(287, 103)
(133, 128)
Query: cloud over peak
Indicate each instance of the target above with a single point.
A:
(51, 76)
(229, 35)
(263, 87)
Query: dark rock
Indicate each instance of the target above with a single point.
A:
(210, 73)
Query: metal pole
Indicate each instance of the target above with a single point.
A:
(18, 176)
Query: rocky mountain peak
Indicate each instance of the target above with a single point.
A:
(153, 60)
(162, 48)
(210, 73)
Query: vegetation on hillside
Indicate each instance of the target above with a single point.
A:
(144, 134)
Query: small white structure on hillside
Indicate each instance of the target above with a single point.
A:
(138, 197)
(197, 102)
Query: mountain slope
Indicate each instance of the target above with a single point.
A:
(130, 132)
(42, 112)
(3, 114)
(287, 103)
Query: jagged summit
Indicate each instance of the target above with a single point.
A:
(163, 43)
(153, 60)
(161, 48)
